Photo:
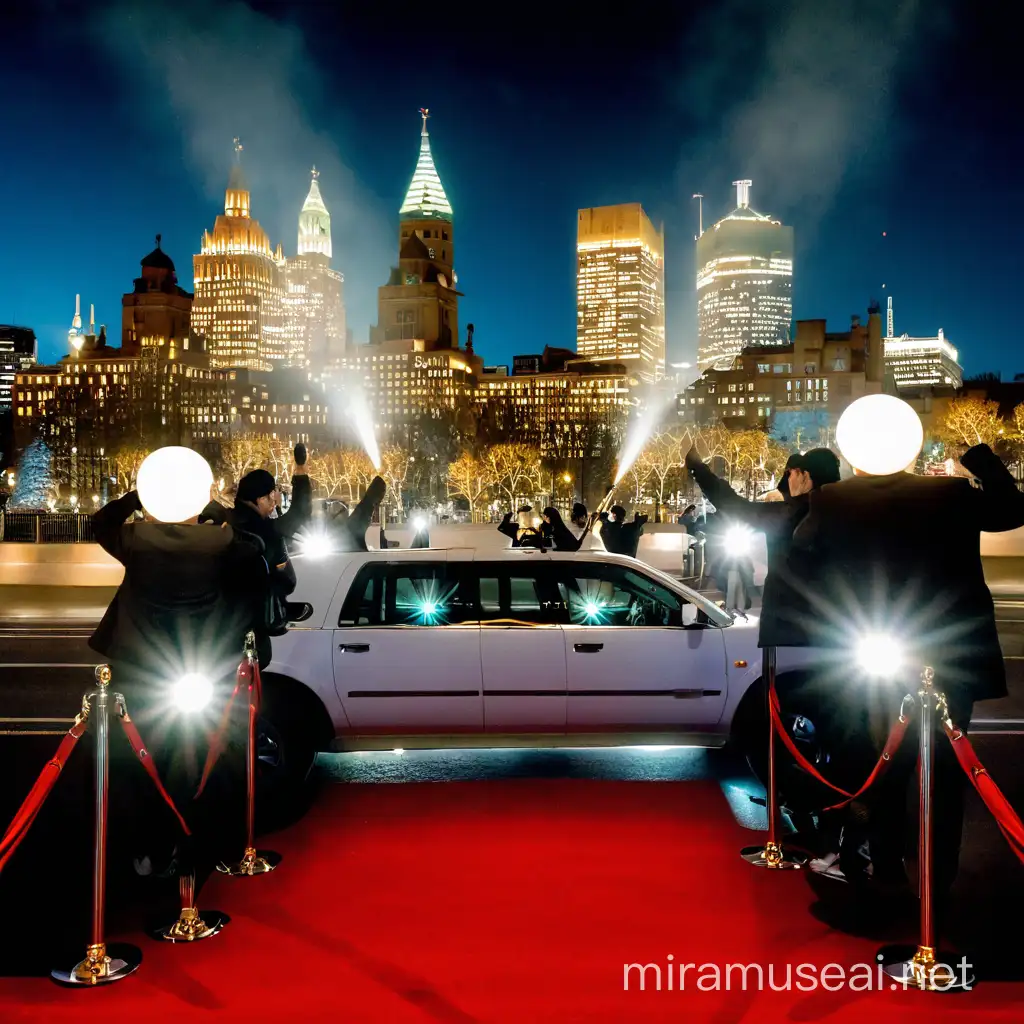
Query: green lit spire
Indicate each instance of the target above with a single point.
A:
(426, 197)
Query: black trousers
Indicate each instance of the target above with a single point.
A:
(141, 823)
(887, 815)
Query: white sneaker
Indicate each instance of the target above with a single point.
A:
(828, 866)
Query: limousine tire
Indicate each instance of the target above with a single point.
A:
(804, 715)
(287, 737)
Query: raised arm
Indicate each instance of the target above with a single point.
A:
(107, 523)
(997, 505)
(300, 513)
(759, 515)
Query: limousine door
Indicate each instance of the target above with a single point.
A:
(405, 658)
(522, 651)
(636, 656)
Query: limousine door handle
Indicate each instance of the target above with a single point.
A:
(588, 648)
(354, 648)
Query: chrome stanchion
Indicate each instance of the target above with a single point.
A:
(102, 964)
(772, 855)
(925, 969)
(253, 862)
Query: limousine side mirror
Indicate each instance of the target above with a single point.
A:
(298, 611)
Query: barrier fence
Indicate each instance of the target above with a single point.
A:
(46, 527)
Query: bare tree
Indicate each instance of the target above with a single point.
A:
(514, 467)
(328, 472)
(394, 468)
(471, 478)
(127, 460)
(243, 453)
(969, 421)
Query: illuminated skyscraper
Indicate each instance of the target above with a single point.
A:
(620, 289)
(314, 311)
(744, 284)
(239, 286)
(917, 363)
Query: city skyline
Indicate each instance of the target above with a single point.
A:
(508, 165)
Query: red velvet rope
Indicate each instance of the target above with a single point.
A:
(1006, 817)
(892, 744)
(219, 738)
(32, 804)
(147, 762)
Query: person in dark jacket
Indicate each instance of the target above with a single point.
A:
(522, 532)
(874, 554)
(348, 527)
(255, 513)
(189, 595)
(618, 536)
(556, 533)
(776, 519)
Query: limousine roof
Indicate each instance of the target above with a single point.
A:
(318, 574)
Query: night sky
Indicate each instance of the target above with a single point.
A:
(888, 135)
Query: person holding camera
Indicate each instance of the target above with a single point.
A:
(522, 532)
(255, 512)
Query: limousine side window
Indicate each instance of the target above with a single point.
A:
(528, 594)
(613, 595)
(387, 594)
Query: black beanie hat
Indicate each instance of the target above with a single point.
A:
(257, 484)
(823, 466)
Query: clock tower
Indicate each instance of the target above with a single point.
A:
(420, 302)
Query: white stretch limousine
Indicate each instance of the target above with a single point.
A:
(519, 647)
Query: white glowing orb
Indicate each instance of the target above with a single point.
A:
(174, 484)
(192, 692)
(879, 435)
(429, 608)
(880, 655)
(592, 609)
(316, 544)
(739, 540)
(419, 525)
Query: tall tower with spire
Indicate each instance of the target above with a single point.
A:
(420, 301)
(314, 222)
(239, 285)
(314, 308)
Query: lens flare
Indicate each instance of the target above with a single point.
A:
(880, 655)
(192, 692)
(739, 541)
(315, 544)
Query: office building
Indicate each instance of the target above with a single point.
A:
(620, 289)
(744, 284)
(239, 286)
(18, 351)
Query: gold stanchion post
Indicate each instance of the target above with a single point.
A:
(191, 926)
(772, 855)
(925, 969)
(103, 964)
(253, 862)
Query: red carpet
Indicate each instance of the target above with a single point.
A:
(513, 901)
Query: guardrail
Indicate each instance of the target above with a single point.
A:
(46, 527)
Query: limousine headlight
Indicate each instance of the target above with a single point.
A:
(880, 655)
(192, 692)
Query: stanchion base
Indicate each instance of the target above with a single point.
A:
(254, 862)
(102, 965)
(925, 969)
(774, 857)
(192, 926)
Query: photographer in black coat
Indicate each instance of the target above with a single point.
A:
(781, 603)
(189, 595)
(255, 512)
(875, 555)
